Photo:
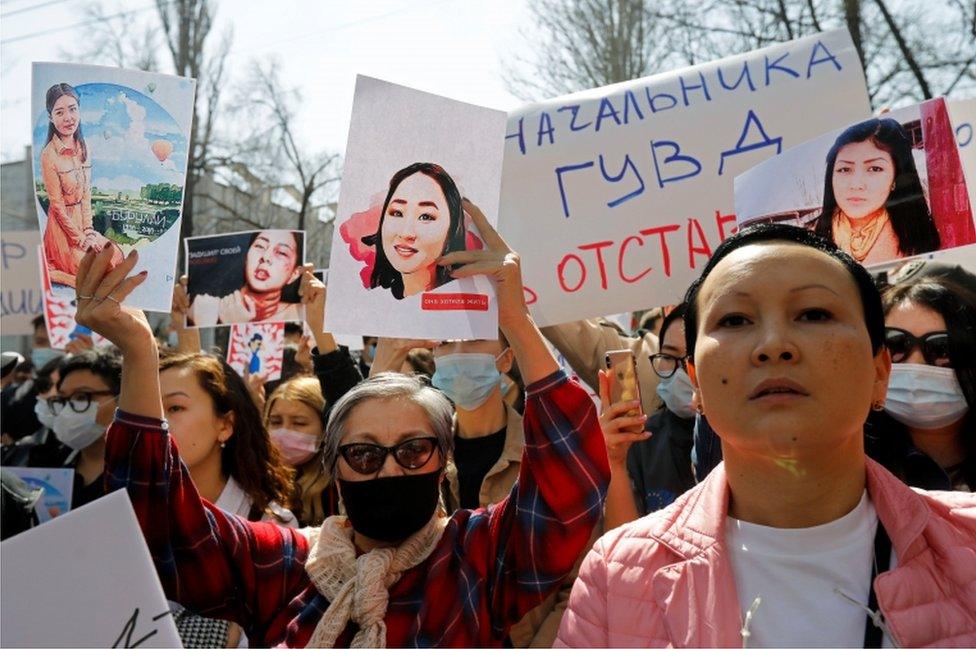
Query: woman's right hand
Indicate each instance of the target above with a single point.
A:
(181, 305)
(100, 292)
(619, 429)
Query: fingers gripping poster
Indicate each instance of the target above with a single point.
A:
(882, 189)
(109, 154)
(411, 158)
(615, 197)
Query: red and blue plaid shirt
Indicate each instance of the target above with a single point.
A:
(490, 567)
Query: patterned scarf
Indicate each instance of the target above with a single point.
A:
(358, 588)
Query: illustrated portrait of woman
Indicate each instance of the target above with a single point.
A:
(272, 263)
(421, 220)
(66, 173)
(873, 207)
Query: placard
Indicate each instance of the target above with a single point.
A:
(410, 159)
(352, 342)
(240, 277)
(20, 289)
(883, 189)
(109, 155)
(57, 483)
(616, 197)
(84, 579)
(257, 349)
(59, 314)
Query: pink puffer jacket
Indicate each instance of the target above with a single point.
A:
(666, 579)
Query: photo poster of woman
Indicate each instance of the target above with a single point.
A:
(240, 277)
(411, 157)
(59, 313)
(257, 349)
(109, 155)
(883, 189)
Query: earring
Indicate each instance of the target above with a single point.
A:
(223, 444)
(699, 409)
(877, 406)
(892, 186)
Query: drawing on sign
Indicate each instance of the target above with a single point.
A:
(125, 638)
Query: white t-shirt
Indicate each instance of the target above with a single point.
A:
(796, 572)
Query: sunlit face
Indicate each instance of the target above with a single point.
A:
(862, 179)
(194, 423)
(272, 261)
(65, 116)
(79, 382)
(387, 422)
(415, 224)
(295, 415)
(917, 320)
(783, 359)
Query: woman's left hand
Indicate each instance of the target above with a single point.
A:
(312, 292)
(499, 262)
(236, 308)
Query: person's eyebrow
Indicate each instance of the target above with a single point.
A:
(672, 347)
(262, 238)
(178, 393)
(809, 286)
(399, 200)
(427, 204)
(878, 159)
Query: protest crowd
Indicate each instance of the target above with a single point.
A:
(783, 455)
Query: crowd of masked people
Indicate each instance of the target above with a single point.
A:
(798, 469)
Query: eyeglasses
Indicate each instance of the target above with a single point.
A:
(934, 346)
(666, 365)
(79, 402)
(369, 458)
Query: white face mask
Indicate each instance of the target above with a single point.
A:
(676, 392)
(43, 413)
(925, 396)
(78, 430)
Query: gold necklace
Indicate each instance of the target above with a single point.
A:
(861, 240)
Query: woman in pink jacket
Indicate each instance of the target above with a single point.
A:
(797, 539)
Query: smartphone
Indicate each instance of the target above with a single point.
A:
(623, 379)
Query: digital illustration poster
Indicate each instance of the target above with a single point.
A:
(58, 484)
(883, 189)
(617, 196)
(411, 158)
(257, 349)
(110, 151)
(59, 315)
(240, 277)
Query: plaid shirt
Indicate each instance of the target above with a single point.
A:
(490, 567)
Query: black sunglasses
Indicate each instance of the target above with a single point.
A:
(934, 346)
(368, 459)
(665, 365)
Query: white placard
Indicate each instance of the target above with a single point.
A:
(962, 114)
(21, 298)
(383, 276)
(110, 150)
(84, 579)
(615, 197)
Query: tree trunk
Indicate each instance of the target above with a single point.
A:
(852, 15)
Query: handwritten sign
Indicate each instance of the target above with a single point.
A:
(410, 159)
(615, 197)
(20, 295)
(109, 154)
(883, 189)
(64, 585)
(257, 349)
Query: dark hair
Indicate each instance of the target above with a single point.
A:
(383, 272)
(956, 303)
(256, 336)
(292, 328)
(105, 363)
(38, 322)
(43, 381)
(909, 213)
(678, 313)
(248, 456)
(781, 233)
(54, 93)
(289, 292)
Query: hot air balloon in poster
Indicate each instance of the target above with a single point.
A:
(161, 149)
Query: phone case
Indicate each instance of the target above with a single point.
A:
(623, 378)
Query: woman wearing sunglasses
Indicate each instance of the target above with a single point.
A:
(394, 572)
(927, 432)
(650, 457)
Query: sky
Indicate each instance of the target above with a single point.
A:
(450, 47)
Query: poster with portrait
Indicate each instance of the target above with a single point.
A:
(109, 155)
(257, 349)
(58, 485)
(883, 189)
(59, 313)
(240, 277)
(84, 579)
(411, 158)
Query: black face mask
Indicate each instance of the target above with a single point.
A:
(391, 509)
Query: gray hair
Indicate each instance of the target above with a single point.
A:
(390, 385)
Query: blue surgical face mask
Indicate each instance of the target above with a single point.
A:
(467, 379)
(41, 356)
(676, 392)
(925, 396)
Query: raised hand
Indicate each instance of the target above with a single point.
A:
(188, 339)
(100, 293)
(313, 295)
(79, 343)
(620, 430)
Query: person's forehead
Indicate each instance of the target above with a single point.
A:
(915, 318)
(675, 335)
(467, 346)
(65, 100)
(276, 238)
(82, 380)
(867, 148)
(773, 265)
(291, 407)
(419, 183)
(386, 420)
